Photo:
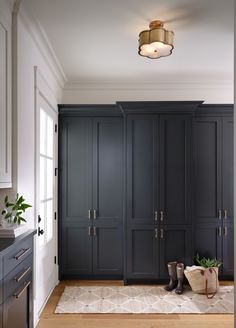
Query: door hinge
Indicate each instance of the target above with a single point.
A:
(55, 215)
(55, 259)
(56, 169)
(56, 128)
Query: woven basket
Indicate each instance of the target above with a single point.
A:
(203, 281)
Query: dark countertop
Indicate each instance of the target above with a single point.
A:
(6, 244)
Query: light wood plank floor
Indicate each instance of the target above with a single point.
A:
(50, 320)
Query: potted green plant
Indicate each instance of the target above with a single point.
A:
(12, 215)
(207, 262)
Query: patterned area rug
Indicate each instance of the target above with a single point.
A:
(142, 299)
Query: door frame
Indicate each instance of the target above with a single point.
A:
(42, 90)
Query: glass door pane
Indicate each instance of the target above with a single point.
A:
(46, 180)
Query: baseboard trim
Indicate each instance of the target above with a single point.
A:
(90, 277)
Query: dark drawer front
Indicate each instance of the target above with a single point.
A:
(16, 256)
(17, 277)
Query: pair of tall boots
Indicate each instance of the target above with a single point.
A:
(176, 273)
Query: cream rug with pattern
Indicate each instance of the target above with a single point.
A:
(142, 299)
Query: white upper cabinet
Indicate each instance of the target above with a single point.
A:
(5, 97)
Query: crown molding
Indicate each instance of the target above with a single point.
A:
(42, 42)
(149, 85)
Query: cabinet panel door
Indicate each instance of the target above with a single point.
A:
(228, 250)
(76, 168)
(207, 162)
(175, 157)
(208, 240)
(17, 312)
(175, 245)
(76, 249)
(141, 169)
(107, 249)
(108, 168)
(142, 261)
(228, 169)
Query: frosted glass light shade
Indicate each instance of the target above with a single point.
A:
(156, 42)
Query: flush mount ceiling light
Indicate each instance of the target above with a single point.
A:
(156, 42)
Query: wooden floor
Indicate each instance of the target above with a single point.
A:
(50, 320)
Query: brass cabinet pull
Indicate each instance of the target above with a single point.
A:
(156, 232)
(18, 279)
(220, 214)
(220, 231)
(89, 215)
(225, 214)
(95, 231)
(89, 231)
(162, 233)
(22, 253)
(225, 231)
(95, 214)
(22, 291)
(162, 215)
(156, 215)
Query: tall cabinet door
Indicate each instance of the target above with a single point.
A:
(142, 252)
(228, 250)
(141, 169)
(228, 169)
(207, 167)
(208, 240)
(108, 195)
(174, 246)
(175, 160)
(228, 196)
(76, 195)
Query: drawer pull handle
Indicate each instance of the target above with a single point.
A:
(18, 279)
(162, 215)
(156, 216)
(226, 214)
(162, 233)
(22, 291)
(89, 214)
(21, 254)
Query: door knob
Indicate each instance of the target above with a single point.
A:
(40, 231)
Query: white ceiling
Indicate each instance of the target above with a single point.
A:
(96, 41)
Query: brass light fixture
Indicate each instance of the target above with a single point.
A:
(156, 42)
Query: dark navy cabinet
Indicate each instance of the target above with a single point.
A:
(213, 185)
(91, 193)
(159, 195)
(16, 283)
(142, 184)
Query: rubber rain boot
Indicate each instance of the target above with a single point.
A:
(173, 276)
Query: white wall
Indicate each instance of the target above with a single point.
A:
(29, 55)
(212, 92)
(31, 49)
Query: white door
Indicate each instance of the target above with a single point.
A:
(46, 246)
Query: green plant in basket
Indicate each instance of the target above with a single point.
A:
(207, 262)
(13, 211)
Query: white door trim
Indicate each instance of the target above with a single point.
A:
(41, 90)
